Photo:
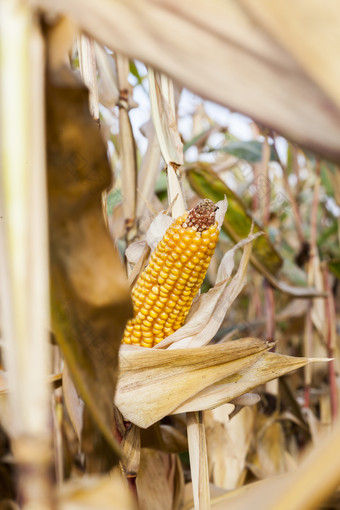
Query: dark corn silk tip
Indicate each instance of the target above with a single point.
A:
(202, 216)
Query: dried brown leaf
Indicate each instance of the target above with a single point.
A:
(160, 481)
(89, 291)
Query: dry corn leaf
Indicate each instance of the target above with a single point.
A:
(89, 292)
(153, 383)
(163, 109)
(107, 79)
(314, 44)
(127, 145)
(234, 52)
(148, 173)
(198, 457)
(269, 455)
(170, 438)
(268, 367)
(96, 493)
(306, 487)
(159, 481)
(228, 443)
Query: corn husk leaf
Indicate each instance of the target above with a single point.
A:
(153, 383)
(228, 442)
(268, 367)
(160, 481)
(208, 312)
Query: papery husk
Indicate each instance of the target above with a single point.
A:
(160, 481)
(270, 455)
(228, 443)
(153, 383)
(268, 367)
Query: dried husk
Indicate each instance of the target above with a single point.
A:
(153, 383)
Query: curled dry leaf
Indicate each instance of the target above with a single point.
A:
(228, 443)
(89, 291)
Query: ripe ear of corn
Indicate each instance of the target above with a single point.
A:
(164, 292)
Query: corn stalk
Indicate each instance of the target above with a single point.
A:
(24, 253)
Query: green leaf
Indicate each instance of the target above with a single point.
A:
(249, 151)
(334, 266)
(113, 199)
(134, 71)
(237, 222)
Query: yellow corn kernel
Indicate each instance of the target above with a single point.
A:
(164, 291)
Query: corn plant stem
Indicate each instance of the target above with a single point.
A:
(267, 184)
(331, 342)
(198, 460)
(24, 249)
(127, 150)
(308, 349)
(308, 334)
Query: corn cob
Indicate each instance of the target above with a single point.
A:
(164, 292)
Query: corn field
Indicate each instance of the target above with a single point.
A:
(169, 255)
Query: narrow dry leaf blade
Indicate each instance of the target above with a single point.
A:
(152, 383)
(164, 117)
(149, 171)
(268, 367)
